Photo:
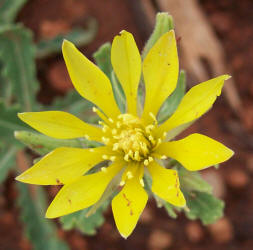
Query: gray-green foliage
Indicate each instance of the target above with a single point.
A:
(87, 225)
(40, 231)
(171, 103)
(203, 206)
(9, 10)
(17, 57)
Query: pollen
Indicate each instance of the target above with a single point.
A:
(131, 138)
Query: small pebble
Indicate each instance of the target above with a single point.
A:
(222, 231)
(159, 240)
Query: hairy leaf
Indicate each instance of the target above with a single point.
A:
(87, 225)
(203, 206)
(41, 232)
(18, 65)
(9, 10)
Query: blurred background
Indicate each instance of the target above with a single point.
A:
(214, 37)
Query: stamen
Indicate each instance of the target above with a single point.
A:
(100, 114)
(115, 147)
(91, 150)
(146, 162)
(126, 157)
(163, 157)
(129, 175)
(114, 131)
(110, 120)
(105, 157)
(122, 183)
(153, 117)
(113, 158)
(150, 159)
(103, 169)
(137, 155)
(86, 137)
(142, 182)
(105, 140)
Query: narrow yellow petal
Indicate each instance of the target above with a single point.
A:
(62, 166)
(165, 184)
(128, 205)
(61, 125)
(82, 193)
(196, 151)
(198, 100)
(160, 71)
(126, 62)
(89, 80)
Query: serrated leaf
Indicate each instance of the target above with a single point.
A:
(203, 206)
(9, 122)
(41, 232)
(7, 161)
(103, 59)
(17, 57)
(192, 181)
(9, 10)
(87, 225)
(164, 23)
(78, 36)
(172, 102)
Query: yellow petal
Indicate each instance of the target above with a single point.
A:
(196, 151)
(62, 166)
(128, 205)
(160, 70)
(82, 193)
(165, 184)
(61, 125)
(126, 62)
(89, 80)
(198, 100)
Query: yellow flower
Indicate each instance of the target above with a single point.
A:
(133, 142)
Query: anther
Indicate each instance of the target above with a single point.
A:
(103, 169)
(146, 162)
(105, 157)
(163, 157)
(129, 175)
(137, 155)
(122, 183)
(110, 120)
(118, 124)
(105, 140)
(91, 150)
(142, 182)
(113, 158)
(150, 159)
(114, 131)
(115, 147)
(126, 157)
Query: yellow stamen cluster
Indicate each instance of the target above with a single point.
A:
(129, 137)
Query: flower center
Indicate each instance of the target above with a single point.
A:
(130, 138)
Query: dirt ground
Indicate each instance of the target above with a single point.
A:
(232, 21)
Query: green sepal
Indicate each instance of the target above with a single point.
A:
(79, 36)
(103, 59)
(17, 56)
(87, 225)
(9, 10)
(171, 103)
(192, 181)
(203, 206)
(41, 232)
(164, 23)
(43, 144)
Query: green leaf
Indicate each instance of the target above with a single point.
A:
(103, 59)
(73, 103)
(78, 36)
(203, 206)
(7, 161)
(9, 10)
(17, 58)
(43, 144)
(41, 232)
(172, 102)
(170, 210)
(87, 225)
(192, 181)
(9, 122)
(164, 23)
